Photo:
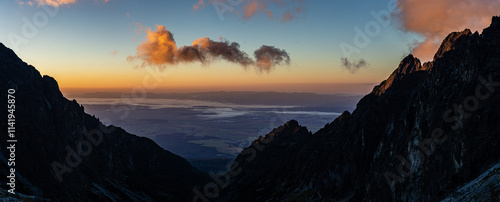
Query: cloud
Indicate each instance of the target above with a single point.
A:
(205, 50)
(269, 56)
(352, 65)
(200, 4)
(253, 7)
(289, 9)
(114, 53)
(53, 3)
(21, 3)
(139, 28)
(434, 20)
(160, 50)
(287, 16)
(269, 14)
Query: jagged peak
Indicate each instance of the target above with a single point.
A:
(495, 22)
(454, 40)
(345, 114)
(292, 124)
(451, 42)
(493, 31)
(291, 128)
(407, 66)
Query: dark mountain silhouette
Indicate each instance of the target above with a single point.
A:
(421, 135)
(64, 154)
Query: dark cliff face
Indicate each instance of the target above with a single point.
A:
(419, 136)
(104, 163)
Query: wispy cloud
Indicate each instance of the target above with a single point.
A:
(252, 7)
(287, 10)
(138, 28)
(160, 50)
(199, 5)
(53, 3)
(352, 65)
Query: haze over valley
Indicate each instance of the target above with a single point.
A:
(210, 129)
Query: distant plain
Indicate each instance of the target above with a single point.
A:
(209, 129)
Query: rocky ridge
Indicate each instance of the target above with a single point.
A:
(421, 135)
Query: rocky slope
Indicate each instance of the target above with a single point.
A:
(64, 154)
(484, 188)
(421, 135)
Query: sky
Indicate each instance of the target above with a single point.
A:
(211, 45)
